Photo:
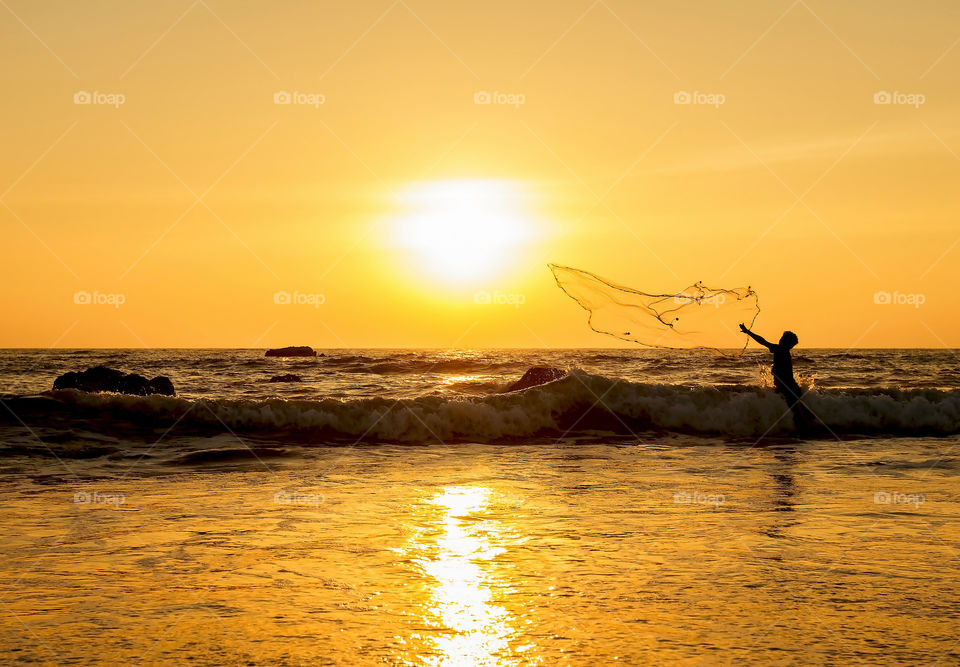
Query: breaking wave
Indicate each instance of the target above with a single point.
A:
(578, 404)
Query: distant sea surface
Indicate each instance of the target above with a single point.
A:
(396, 507)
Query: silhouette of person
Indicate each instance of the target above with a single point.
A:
(782, 372)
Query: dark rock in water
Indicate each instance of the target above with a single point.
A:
(132, 384)
(536, 376)
(162, 385)
(301, 351)
(98, 378)
(101, 378)
(286, 378)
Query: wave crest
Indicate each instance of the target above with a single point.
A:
(577, 404)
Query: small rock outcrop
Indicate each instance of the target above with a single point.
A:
(162, 385)
(290, 377)
(536, 376)
(101, 378)
(295, 351)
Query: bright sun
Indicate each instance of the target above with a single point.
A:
(463, 231)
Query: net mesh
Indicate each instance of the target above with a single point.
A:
(697, 317)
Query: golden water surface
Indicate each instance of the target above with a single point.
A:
(594, 554)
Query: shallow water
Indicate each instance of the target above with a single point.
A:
(643, 553)
(681, 530)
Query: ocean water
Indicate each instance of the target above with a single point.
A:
(396, 508)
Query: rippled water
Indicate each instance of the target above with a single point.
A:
(161, 544)
(224, 373)
(648, 553)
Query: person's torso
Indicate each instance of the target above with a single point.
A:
(782, 364)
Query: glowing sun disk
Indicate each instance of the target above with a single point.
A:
(462, 230)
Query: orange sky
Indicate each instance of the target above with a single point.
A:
(390, 203)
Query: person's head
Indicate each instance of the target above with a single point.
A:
(789, 339)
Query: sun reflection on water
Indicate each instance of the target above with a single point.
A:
(476, 630)
(459, 379)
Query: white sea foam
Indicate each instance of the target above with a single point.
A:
(575, 404)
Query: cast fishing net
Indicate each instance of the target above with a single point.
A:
(695, 317)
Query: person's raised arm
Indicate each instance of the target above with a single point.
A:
(760, 339)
